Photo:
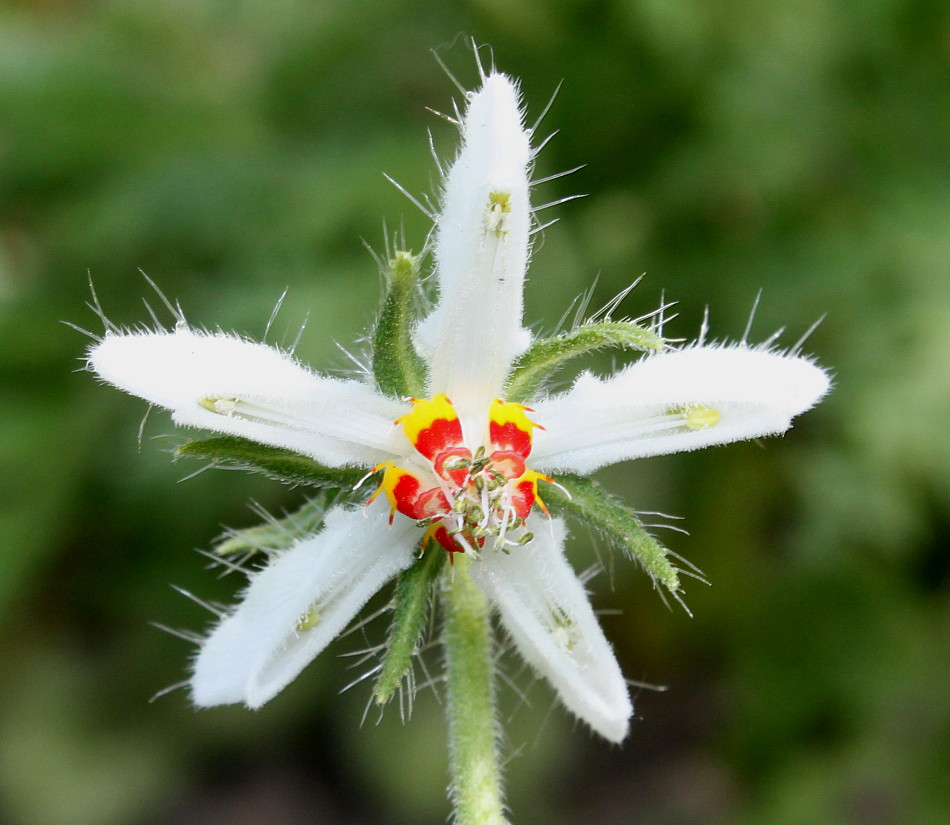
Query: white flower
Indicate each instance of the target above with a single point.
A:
(460, 467)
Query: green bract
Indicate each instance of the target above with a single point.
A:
(397, 367)
(547, 355)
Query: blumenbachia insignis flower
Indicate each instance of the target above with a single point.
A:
(466, 466)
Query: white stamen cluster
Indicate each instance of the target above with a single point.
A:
(481, 506)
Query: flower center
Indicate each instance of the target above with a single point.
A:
(465, 497)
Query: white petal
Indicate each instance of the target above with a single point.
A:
(260, 648)
(548, 615)
(643, 410)
(276, 400)
(481, 252)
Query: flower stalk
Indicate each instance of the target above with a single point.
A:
(469, 669)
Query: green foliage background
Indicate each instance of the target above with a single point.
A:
(234, 148)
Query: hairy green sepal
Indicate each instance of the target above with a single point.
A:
(278, 533)
(547, 355)
(397, 367)
(588, 501)
(284, 465)
(411, 599)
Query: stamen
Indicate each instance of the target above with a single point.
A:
(701, 418)
(465, 497)
(221, 406)
(683, 418)
(355, 426)
(496, 218)
(563, 630)
(309, 620)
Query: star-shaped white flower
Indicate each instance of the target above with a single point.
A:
(462, 467)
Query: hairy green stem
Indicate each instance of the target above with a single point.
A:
(476, 777)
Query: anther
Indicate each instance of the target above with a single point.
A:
(309, 620)
(221, 406)
(475, 515)
(701, 418)
(496, 217)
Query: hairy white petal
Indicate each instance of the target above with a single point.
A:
(230, 385)
(644, 409)
(481, 252)
(324, 581)
(548, 615)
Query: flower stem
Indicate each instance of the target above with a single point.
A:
(476, 778)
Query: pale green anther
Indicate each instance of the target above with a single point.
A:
(411, 600)
(309, 620)
(499, 207)
(283, 465)
(561, 619)
(221, 406)
(701, 418)
(547, 355)
(526, 538)
(563, 632)
(397, 367)
(587, 500)
(278, 534)
(501, 201)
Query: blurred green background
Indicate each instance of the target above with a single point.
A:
(232, 148)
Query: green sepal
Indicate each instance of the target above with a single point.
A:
(278, 533)
(283, 465)
(547, 355)
(411, 600)
(397, 367)
(587, 500)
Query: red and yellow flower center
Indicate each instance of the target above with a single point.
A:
(465, 497)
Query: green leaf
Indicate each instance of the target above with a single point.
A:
(283, 465)
(547, 355)
(397, 367)
(411, 600)
(587, 500)
(278, 534)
